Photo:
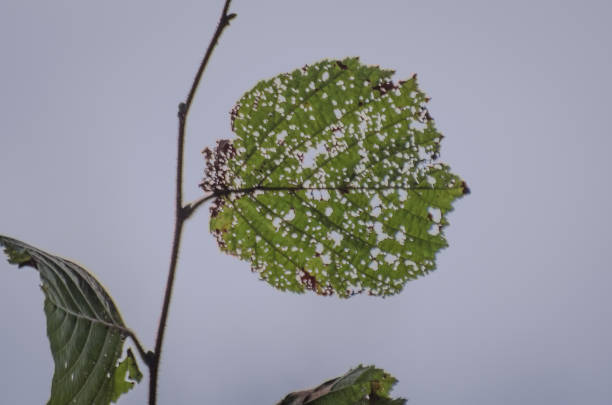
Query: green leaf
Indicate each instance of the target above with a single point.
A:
(125, 375)
(85, 329)
(360, 386)
(333, 183)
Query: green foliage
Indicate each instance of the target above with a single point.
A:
(360, 386)
(126, 374)
(85, 329)
(332, 184)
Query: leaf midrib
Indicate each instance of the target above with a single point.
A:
(111, 325)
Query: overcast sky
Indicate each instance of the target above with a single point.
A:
(519, 310)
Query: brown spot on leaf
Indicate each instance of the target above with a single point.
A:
(308, 280)
(343, 189)
(218, 234)
(234, 115)
(311, 283)
(336, 128)
(384, 87)
(217, 175)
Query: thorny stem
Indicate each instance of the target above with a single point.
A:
(181, 213)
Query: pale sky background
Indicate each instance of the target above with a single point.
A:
(519, 310)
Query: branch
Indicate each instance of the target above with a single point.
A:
(224, 21)
(181, 214)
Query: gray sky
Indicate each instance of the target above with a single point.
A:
(519, 309)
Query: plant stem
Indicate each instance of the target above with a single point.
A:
(181, 213)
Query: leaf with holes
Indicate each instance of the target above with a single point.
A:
(84, 327)
(360, 386)
(333, 183)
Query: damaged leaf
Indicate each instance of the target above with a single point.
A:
(126, 375)
(85, 330)
(360, 386)
(332, 183)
